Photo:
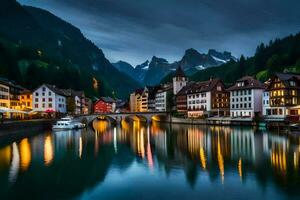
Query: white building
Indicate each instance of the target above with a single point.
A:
(161, 98)
(179, 80)
(246, 97)
(266, 103)
(207, 98)
(48, 98)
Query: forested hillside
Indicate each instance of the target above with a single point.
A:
(38, 47)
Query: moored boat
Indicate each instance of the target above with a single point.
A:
(67, 123)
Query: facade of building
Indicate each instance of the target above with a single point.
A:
(207, 98)
(75, 101)
(284, 96)
(139, 100)
(181, 100)
(10, 98)
(163, 98)
(246, 97)
(179, 80)
(4, 95)
(49, 99)
(26, 100)
(266, 110)
(151, 97)
(104, 105)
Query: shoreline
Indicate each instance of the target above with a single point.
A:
(24, 128)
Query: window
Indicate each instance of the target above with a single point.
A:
(249, 98)
(43, 99)
(28, 104)
(249, 105)
(292, 83)
(44, 89)
(50, 105)
(50, 99)
(36, 99)
(36, 105)
(43, 105)
(245, 105)
(249, 91)
(49, 93)
(43, 94)
(36, 94)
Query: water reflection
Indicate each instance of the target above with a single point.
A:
(74, 162)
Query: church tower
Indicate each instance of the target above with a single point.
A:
(179, 80)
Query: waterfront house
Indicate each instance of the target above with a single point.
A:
(163, 98)
(49, 99)
(181, 100)
(284, 96)
(75, 101)
(4, 95)
(151, 97)
(207, 98)
(104, 105)
(10, 99)
(246, 97)
(139, 100)
(26, 99)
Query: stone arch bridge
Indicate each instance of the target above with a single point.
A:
(118, 117)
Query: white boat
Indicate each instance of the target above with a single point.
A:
(67, 123)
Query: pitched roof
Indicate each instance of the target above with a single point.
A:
(25, 92)
(249, 83)
(106, 99)
(152, 91)
(285, 78)
(70, 92)
(204, 86)
(54, 89)
(179, 72)
(185, 89)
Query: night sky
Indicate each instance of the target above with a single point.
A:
(135, 30)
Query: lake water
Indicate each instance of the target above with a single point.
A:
(159, 161)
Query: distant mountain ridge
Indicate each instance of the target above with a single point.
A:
(151, 73)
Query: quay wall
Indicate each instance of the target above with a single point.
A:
(24, 128)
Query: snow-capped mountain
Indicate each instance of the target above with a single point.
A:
(151, 73)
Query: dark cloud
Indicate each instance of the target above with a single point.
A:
(135, 30)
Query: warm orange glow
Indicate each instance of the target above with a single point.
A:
(95, 83)
(5, 156)
(100, 126)
(240, 168)
(25, 154)
(48, 150)
(202, 158)
(220, 160)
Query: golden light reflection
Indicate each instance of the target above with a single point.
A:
(5, 156)
(141, 143)
(220, 160)
(240, 168)
(278, 160)
(48, 150)
(25, 154)
(202, 158)
(100, 126)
